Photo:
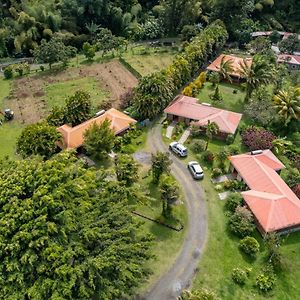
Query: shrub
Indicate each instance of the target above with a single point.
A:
(235, 91)
(216, 95)
(42, 68)
(198, 146)
(241, 222)
(218, 187)
(227, 184)
(239, 276)
(257, 138)
(233, 201)
(216, 172)
(8, 72)
(233, 149)
(208, 156)
(266, 280)
(230, 139)
(249, 245)
(296, 190)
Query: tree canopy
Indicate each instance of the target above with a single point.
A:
(66, 233)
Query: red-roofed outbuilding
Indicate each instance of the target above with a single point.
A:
(274, 205)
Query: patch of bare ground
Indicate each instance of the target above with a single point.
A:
(27, 98)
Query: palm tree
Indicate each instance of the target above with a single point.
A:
(260, 72)
(281, 145)
(211, 129)
(287, 102)
(222, 157)
(226, 67)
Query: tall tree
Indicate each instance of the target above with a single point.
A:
(53, 51)
(99, 139)
(78, 108)
(287, 103)
(169, 191)
(126, 169)
(211, 129)
(67, 233)
(259, 73)
(161, 163)
(38, 139)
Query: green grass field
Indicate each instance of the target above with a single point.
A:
(9, 131)
(231, 101)
(57, 93)
(146, 64)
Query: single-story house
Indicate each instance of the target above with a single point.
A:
(292, 61)
(189, 110)
(274, 205)
(235, 63)
(73, 137)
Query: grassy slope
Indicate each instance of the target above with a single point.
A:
(9, 131)
(146, 64)
(57, 93)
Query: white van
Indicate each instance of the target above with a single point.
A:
(179, 149)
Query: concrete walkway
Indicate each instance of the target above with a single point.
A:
(181, 273)
(170, 129)
(222, 178)
(224, 195)
(185, 136)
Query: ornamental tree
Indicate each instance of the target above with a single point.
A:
(256, 138)
(38, 139)
(126, 169)
(66, 233)
(161, 163)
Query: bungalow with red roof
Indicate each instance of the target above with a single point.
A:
(274, 205)
(73, 137)
(292, 61)
(189, 110)
(236, 62)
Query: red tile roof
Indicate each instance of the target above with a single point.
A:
(188, 107)
(73, 136)
(272, 202)
(289, 58)
(236, 64)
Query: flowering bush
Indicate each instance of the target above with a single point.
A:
(296, 190)
(256, 138)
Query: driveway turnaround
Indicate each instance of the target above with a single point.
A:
(181, 273)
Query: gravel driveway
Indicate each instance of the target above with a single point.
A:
(181, 273)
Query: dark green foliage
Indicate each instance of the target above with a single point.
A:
(275, 37)
(241, 222)
(66, 233)
(161, 163)
(239, 276)
(53, 51)
(216, 95)
(126, 169)
(291, 176)
(233, 201)
(169, 191)
(99, 140)
(230, 139)
(189, 31)
(214, 78)
(8, 72)
(290, 44)
(208, 156)
(275, 256)
(216, 172)
(249, 245)
(57, 116)
(38, 139)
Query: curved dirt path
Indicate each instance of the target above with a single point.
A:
(180, 274)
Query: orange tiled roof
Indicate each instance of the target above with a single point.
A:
(272, 202)
(189, 107)
(289, 58)
(236, 64)
(73, 136)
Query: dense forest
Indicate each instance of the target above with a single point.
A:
(23, 24)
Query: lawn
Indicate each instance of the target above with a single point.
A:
(57, 93)
(167, 242)
(150, 62)
(231, 101)
(9, 131)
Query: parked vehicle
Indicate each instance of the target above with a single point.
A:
(195, 170)
(179, 149)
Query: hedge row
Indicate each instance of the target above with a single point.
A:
(130, 68)
(155, 91)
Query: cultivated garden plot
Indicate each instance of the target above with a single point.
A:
(31, 98)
